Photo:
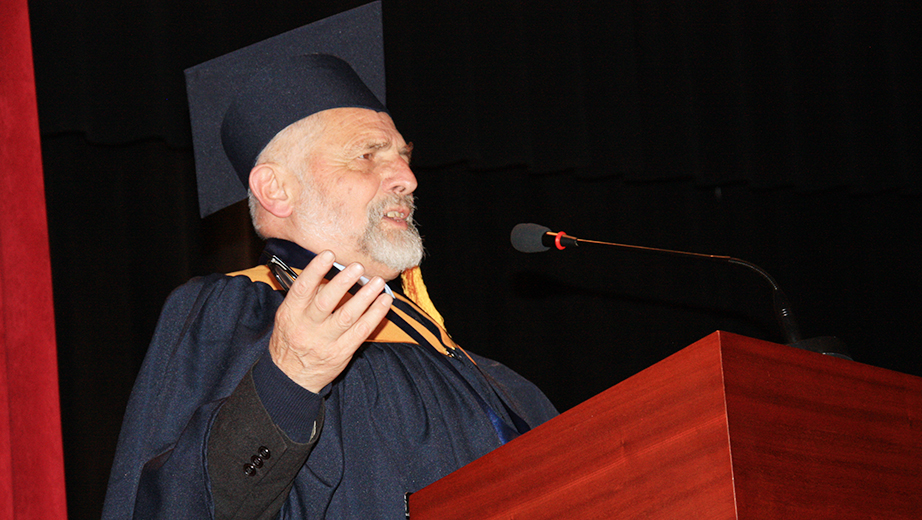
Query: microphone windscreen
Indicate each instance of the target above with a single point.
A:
(526, 238)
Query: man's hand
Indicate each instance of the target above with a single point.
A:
(315, 336)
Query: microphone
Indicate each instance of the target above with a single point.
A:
(534, 238)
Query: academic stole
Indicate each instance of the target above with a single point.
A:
(436, 342)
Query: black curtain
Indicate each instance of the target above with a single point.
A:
(784, 133)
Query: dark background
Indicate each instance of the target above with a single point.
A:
(783, 133)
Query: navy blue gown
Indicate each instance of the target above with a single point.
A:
(400, 417)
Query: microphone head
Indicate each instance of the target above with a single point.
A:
(526, 238)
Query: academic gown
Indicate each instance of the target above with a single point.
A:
(399, 417)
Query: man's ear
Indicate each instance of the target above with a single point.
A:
(272, 187)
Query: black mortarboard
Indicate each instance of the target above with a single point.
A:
(240, 101)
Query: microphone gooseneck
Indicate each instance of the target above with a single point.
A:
(534, 238)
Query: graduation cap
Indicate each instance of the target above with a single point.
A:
(240, 101)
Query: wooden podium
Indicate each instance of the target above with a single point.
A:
(728, 428)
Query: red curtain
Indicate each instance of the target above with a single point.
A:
(31, 455)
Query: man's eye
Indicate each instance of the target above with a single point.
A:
(366, 156)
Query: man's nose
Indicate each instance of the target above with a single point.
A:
(399, 178)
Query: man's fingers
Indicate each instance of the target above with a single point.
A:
(304, 288)
(316, 299)
(323, 302)
(331, 294)
(358, 305)
(371, 318)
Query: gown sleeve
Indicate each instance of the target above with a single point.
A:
(196, 379)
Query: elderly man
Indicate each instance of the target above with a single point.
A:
(338, 181)
(307, 387)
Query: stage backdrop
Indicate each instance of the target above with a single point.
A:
(31, 455)
(782, 132)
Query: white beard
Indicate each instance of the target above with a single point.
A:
(398, 249)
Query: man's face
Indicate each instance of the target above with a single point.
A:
(356, 194)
